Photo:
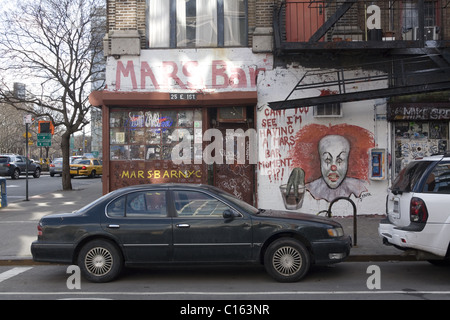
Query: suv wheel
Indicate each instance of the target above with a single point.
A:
(100, 261)
(287, 260)
(16, 174)
(37, 173)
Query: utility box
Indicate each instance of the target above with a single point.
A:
(4, 200)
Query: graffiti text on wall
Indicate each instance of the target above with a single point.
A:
(160, 174)
(186, 75)
(276, 135)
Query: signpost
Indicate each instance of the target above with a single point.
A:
(27, 119)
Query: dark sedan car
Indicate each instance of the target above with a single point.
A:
(181, 223)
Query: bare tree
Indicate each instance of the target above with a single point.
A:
(51, 46)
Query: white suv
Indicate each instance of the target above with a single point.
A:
(418, 209)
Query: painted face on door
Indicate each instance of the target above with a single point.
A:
(334, 151)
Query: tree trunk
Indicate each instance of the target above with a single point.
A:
(65, 148)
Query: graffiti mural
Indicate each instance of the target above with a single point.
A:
(328, 162)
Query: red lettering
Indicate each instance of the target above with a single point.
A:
(126, 72)
(238, 78)
(219, 68)
(146, 71)
(190, 71)
(172, 74)
(254, 75)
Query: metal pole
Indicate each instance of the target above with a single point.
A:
(26, 162)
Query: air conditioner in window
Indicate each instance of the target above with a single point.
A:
(431, 33)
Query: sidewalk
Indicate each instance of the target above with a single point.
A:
(18, 226)
(19, 220)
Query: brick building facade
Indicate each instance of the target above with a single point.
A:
(298, 75)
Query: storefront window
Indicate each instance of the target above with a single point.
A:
(417, 139)
(151, 134)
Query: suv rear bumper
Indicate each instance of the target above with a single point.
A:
(409, 238)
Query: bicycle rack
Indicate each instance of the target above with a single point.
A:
(329, 214)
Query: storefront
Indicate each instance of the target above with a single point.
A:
(167, 113)
(419, 130)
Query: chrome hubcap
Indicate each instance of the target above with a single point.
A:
(287, 261)
(98, 261)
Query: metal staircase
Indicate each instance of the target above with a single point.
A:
(414, 71)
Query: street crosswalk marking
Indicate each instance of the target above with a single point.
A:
(13, 272)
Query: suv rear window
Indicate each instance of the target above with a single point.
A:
(409, 176)
(439, 180)
(4, 159)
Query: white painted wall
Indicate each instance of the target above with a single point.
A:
(277, 136)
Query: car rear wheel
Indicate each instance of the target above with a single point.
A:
(16, 174)
(100, 261)
(287, 260)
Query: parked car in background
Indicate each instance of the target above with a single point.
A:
(56, 167)
(183, 223)
(86, 167)
(418, 215)
(15, 165)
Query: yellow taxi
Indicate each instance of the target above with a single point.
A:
(86, 167)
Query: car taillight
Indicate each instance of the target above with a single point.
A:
(39, 227)
(83, 168)
(52, 165)
(418, 210)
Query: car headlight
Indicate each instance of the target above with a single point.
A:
(335, 232)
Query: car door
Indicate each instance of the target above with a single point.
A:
(139, 221)
(98, 166)
(21, 164)
(201, 233)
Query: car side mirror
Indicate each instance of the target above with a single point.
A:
(229, 214)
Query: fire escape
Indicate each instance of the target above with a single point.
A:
(415, 48)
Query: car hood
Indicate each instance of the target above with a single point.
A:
(297, 216)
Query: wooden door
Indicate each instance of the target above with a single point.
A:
(303, 19)
(237, 179)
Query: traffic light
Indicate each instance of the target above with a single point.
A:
(46, 127)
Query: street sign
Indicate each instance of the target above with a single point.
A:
(44, 136)
(27, 119)
(42, 143)
(44, 139)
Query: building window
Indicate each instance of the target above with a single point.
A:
(150, 134)
(197, 23)
(328, 110)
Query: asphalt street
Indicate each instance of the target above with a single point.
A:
(346, 281)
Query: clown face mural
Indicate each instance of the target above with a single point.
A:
(333, 161)
(333, 152)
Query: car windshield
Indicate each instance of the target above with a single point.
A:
(408, 177)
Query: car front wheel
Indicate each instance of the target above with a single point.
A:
(287, 260)
(100, 261)
(37, 173)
